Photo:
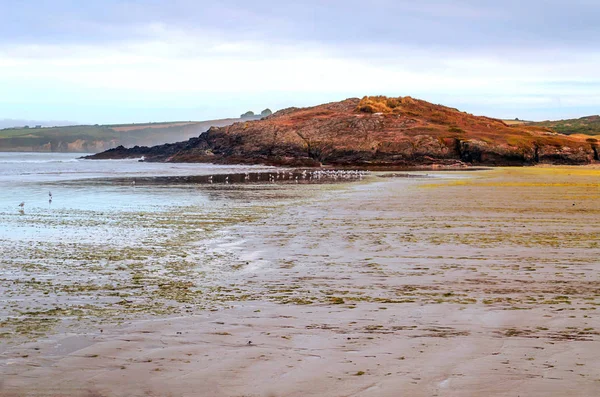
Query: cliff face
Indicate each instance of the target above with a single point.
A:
(374, 131)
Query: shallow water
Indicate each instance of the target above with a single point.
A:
(88, 185)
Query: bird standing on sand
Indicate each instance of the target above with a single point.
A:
(22, 204)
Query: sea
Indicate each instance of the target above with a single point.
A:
(79, 184)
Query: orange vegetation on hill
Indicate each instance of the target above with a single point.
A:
(375, 131)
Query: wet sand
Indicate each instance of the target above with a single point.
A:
(477, 284)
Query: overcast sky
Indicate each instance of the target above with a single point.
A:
(134, 61)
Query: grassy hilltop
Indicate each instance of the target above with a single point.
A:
(589, 125)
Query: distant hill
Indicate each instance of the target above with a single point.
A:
(97, 138)
(372, 132)
(17, 123)
(589, 125)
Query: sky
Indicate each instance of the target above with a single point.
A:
(114, 61)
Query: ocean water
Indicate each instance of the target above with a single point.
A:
(80, 184)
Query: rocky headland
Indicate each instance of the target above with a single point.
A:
(373, 132)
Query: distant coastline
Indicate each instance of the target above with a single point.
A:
(97, 138)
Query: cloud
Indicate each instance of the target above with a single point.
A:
(98, 58)
(458, 24)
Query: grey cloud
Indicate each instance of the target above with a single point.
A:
(455, 25)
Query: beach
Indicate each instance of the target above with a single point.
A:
(462, 283)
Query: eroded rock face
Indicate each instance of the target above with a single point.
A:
(375, 131)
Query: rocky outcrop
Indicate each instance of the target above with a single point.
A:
(372, 132)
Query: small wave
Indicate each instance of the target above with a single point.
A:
(132, 160)
(53, 161)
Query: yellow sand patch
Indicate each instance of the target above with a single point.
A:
(539, 176)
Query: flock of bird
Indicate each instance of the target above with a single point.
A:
(319, 174)
(312, 175)
(297, 176)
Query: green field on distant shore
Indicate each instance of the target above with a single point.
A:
(92, 138)
(589, 125)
